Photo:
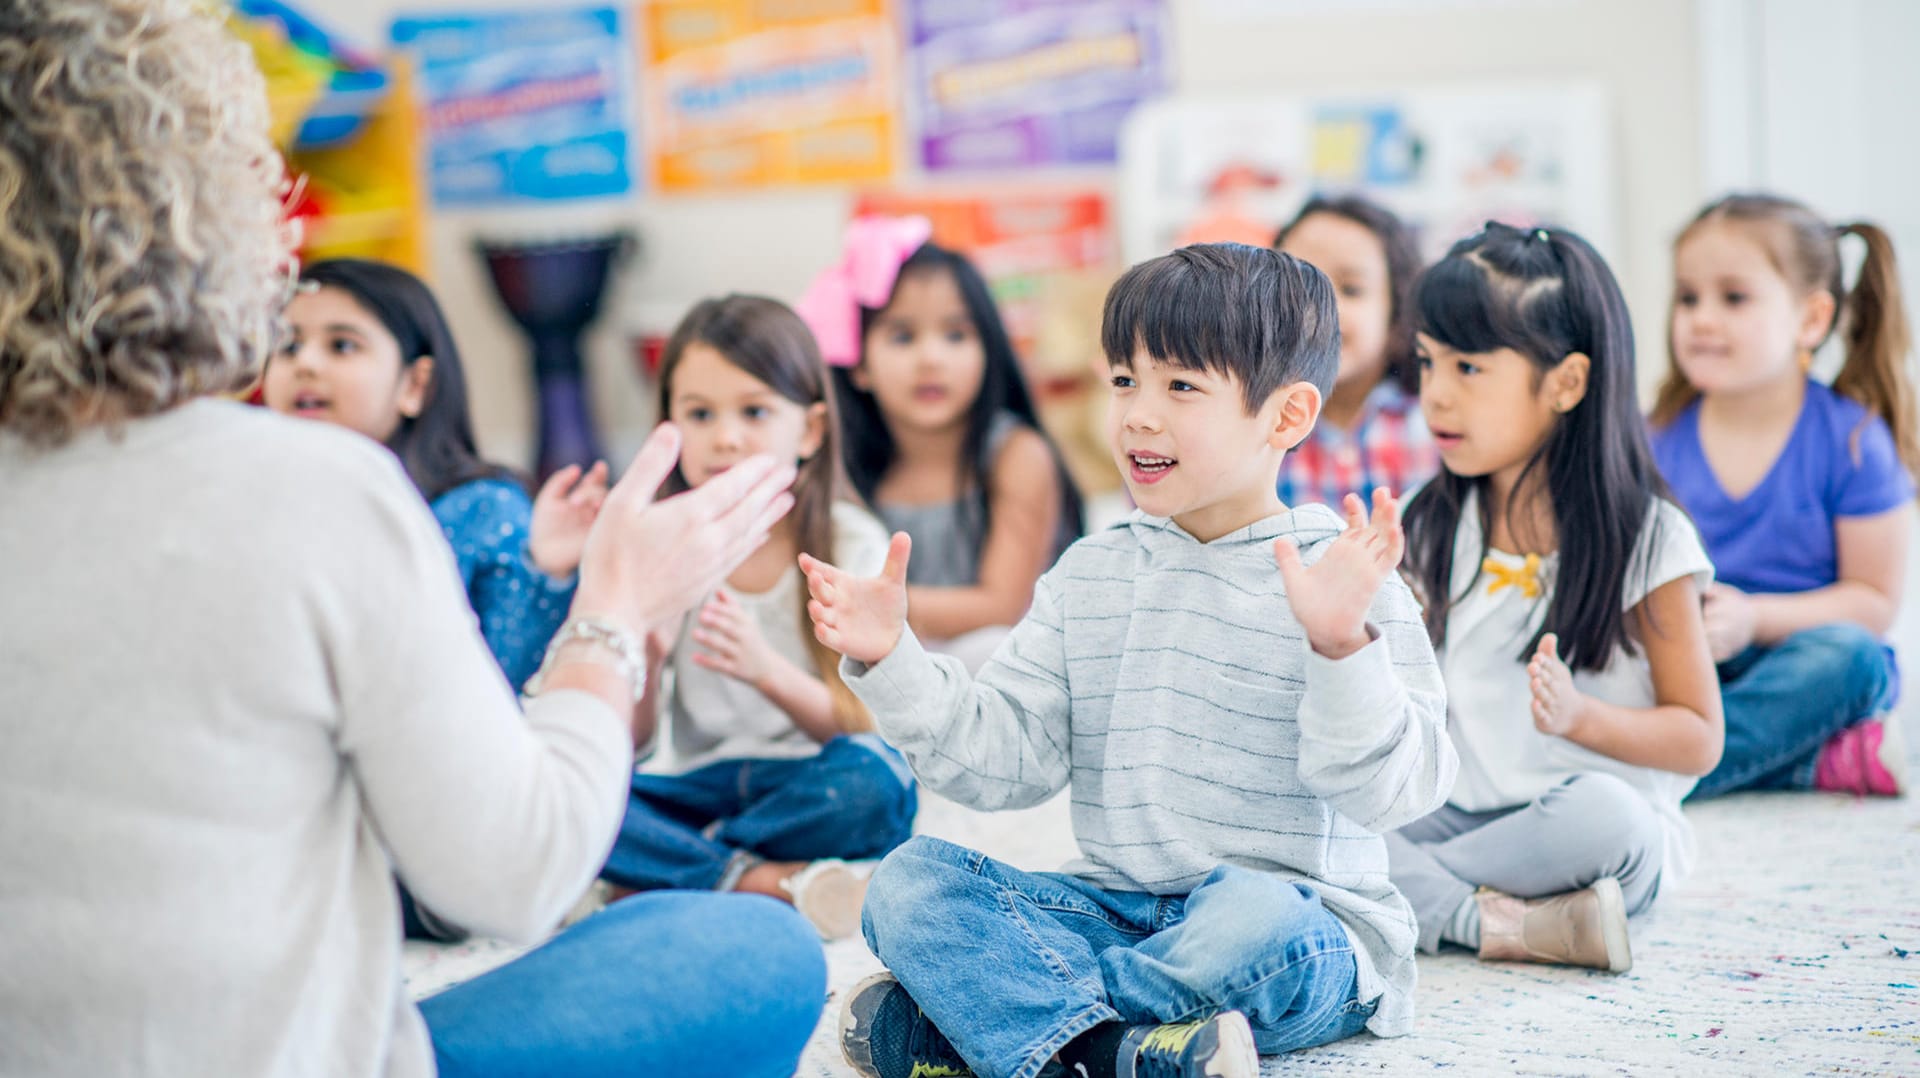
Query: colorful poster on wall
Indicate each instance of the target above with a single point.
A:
(1024, 83)
(523, 105)
(1446, 159)
(750, 93)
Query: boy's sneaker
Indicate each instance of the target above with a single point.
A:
(883, 1034)
(1867, 758)
(1217, 1047)
(1579, 928)
(828, 893)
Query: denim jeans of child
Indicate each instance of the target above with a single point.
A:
(690, 985)
(1783, 703)
(1012, 965)
(700, 830)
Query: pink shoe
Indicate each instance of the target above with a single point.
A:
(1869, 757)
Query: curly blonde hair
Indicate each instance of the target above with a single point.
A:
(144, 253)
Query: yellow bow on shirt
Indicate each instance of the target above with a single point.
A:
(1526, 577)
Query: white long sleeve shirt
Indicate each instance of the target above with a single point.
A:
(242, 688)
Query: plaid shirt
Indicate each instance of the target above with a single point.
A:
(1389, 448)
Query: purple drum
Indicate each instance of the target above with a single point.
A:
(554, 291)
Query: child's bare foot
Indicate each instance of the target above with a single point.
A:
(827, 893)
(767, 878)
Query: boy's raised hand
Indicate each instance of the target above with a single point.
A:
(860, 617)
(1331, 598)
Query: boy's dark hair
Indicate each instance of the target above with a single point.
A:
(1264, 318)
(1545, 294)
(436, 447)
(1403, 269)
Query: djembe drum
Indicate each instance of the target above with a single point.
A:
(554, 291)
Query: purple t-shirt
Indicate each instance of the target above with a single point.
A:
(1779, 538)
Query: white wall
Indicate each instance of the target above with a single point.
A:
(1828, 86)
(1642, 51)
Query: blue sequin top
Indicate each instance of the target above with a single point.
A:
(520, 608)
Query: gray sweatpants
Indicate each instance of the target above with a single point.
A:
(1591, 826)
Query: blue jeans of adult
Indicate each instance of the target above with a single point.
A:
(1783, 703)
(691, 985)
(1012, 965)
(699, 831)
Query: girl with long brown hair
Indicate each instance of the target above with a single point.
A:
(774, 776)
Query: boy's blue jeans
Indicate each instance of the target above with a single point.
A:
(1783, 703)
(1012, 965)
(690, 985)
(700, 830)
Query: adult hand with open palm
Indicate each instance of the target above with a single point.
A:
(646, 562)
(1331, 597)
(860, 617)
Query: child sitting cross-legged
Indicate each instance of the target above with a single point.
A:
(1242, 696)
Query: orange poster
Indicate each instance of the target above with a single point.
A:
(752, 93)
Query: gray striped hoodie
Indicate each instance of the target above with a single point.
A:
(1168, 680)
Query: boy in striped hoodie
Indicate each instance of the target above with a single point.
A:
(1241, 695)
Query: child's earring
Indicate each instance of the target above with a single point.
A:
(1806, 360)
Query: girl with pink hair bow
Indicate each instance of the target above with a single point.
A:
(938, 430)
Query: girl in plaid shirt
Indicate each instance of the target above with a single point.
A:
(1370, 432)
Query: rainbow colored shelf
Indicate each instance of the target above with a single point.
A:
(349, 126)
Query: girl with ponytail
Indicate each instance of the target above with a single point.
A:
(1800, 489)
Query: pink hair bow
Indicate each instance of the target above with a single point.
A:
(870, 261)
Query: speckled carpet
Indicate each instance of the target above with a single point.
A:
(1795, 949)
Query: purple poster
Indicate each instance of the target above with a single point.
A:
(1020, 83)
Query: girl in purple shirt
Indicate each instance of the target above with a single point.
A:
(1800, 491)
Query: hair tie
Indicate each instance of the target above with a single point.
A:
(1540, 234)
(871, 256)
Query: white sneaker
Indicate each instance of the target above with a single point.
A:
(829, 893)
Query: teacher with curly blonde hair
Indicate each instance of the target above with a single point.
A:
(242, 688)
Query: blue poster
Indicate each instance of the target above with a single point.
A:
(523, 105)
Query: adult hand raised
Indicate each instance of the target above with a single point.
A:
(649, 561)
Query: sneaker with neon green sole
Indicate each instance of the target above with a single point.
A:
(884, 1034)
(1217, 1047)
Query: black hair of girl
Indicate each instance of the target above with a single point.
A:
(867, 445)
(1403, 270)
(436, 447)
(767, 341)
(1545, 294)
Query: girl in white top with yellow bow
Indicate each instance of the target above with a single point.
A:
(1562, 594)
